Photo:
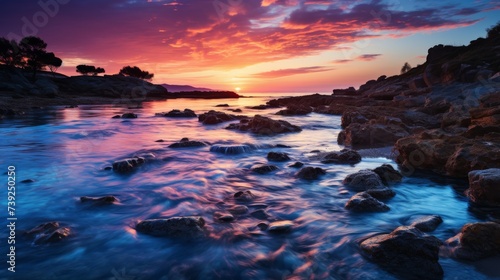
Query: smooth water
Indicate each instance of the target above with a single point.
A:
(66, 150)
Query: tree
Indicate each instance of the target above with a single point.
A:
(50, 60)
(89, 69)
(9, 53)
(136, 72)
(494, 31)
(406, 67)
(33, 51)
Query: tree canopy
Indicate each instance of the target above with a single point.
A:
(89, 70)
(406, 67)
(136, 72)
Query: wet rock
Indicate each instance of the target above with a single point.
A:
(297, 164)
(264, 126)
(49, 226)
(238, 209)
(127, 165)
(177, 227)
(186, 143)
(363, 202)
(260, 214)
(371, 135)
(406, 251)
(363, 180)
(232, 149)
(484, 187)
(261, 107)
(264, 169)
(27, 181)
(427, 223)
(263, 226)
(108, 168)
(236, 110)
(187, 113)
(295, 110)
(310, 173)
(476, 241)
(345, 156)
(383, 194)
(129, 116)
(160, 141)
(388, 174)
(244, 196)
(103, 200)
(280, 227)
(49, 233)
(216, 117)
(274, 156)
(223, 217)
(222, 105)
(116, 117)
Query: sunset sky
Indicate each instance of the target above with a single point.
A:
(256, 45)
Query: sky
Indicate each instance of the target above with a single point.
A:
(304, 46)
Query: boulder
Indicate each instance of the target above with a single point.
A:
(260, 214)
(280, 227)
(295, 110)
(244, 196)
(297, 164)
(216, 117)
(475, 241)
(385, 193)
(427, 223)
(49, 233)
(407, 252)
(363, 202)
(129, 116)
(275, 156)
(363, 180)
(127, 165)
(232, 149)
(187, 113)
(388, 174)
(310, 173)
(484, 187)
(186, 143)
(264, 169)
(371, 135)
(345, 156)
(223, 217)
(177, 227)
(238, 209)
(264, 126)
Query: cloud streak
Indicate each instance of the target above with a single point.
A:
(290, 71)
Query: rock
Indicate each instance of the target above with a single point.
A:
(116, 117)
(177, 227)
(238, 209)
(49, 233)
(222, 105)
(127, 165)
(260, 214)
(363, 202)
(216, 117)
(388, 174)
(347, 91)
(45, 227)
(484, 187)
(232, 149)
(129, 116)
(223, 217)
(27, 181)
(363, 180)
(407, 252)
(109, 199)
(274, 156)
(384, 193)
(297, 164)
(280, 227)
(260, 107)
(244, 196)
(371, 135)
(476, 241)
(186, 143)
(187, 113)
(160, 141)
(236, 110)
(264, 126)
(295, 110)
(310, 173)
(345, 156)
(264, 169)
(427, 223)
(263, 226)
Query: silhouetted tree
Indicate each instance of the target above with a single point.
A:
(406, 67)
(89, 69)
(50, 60)
(494, 31)
(9, 53)
(136, 72)
(33, 51)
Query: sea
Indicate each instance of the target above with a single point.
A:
(65, 152)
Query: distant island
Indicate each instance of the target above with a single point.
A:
(181, 88)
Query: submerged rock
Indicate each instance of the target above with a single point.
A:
(363, 202)
(244, 196)
(384, 193)
(49, 233)
(297, 164)
(345, 156)
(427, 223)
(216, 117)
(275, 156)
(264, 169)
(310, 173)
(129, 116)
(260, 214)
(363, 180)
(127, 165)
(388, 174)
(187, 113)
(109, 199)
(264, 126)
(280, 227)
(406, 251)
(476, 241)
(177, 227)
(484, 187)
(186, 143)
(223, 217)
(232, 149)
(295, 110)
(238, 209)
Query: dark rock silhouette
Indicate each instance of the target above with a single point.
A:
(264, 126)
(216, 117)
(186, 143)
(310, 173)
(363, 202)
(189, 227)
(345, 156)
(475, 241)
(275, 156)
(187, 113)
